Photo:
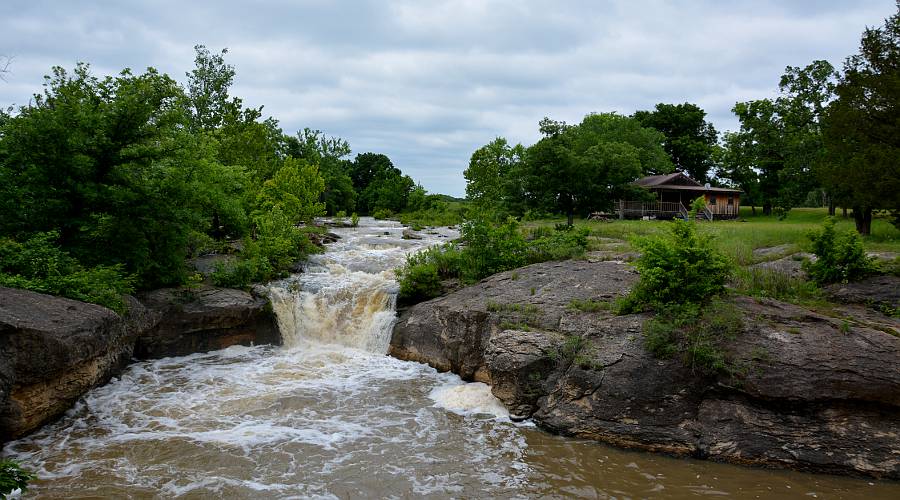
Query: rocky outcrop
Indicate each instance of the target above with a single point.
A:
(204, 320)
(882, 292)
(806, 390)
(52, 350)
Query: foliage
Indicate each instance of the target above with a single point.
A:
(490, 249)
(690, 140)
(862, 133)
(586, 167)
(840, 256)
(294, 191)
(420, 278)
(494, 180)
(683, 267)
(559, 245)
(773, 155)
(13, 477)
(38, 264)
(696, 333)
(354, 219)
(759, 282)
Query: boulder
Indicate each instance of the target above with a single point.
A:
(806, 391)
(881, 292)
(207, 319)
(52, 350)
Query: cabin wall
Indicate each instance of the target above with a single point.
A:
(724, 204)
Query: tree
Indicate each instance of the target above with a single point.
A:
(690, 140)
(589, 166)
(379, 184)
(780, 140)
(493, 179)
(329, 153)
(207, 91)
(862, 131)
(294, 190)
(109, 164)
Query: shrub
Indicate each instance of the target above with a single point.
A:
(491, 249)
(696, 333)
(774, 284)
(841, 256)
(562, 244)
(40, 265)
(13, 477)
(382, 213)
(420, 278)
(683, 267)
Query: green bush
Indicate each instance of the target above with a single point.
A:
(13, 477)
(491, 249)
(40, 265)
(840, 256)
(774, 284)
(420, 278)
(683, 267)
(382, 213)
(562, 244)
(696, 333)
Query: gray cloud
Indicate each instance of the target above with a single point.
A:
(428, 82)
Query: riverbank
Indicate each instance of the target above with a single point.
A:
(815, 391)
(55, 349)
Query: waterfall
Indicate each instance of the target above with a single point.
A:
(347, 296)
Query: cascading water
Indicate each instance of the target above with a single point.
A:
(330, 416)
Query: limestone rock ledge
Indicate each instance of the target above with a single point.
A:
(812, 391)
(53, 349)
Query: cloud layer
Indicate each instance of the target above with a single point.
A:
(428, 82)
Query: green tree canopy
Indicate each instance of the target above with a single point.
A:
(690, 140)
(588, 166)
(862, 127)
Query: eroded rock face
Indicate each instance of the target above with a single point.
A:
(809, 391)
(52, 350)
(204, 320)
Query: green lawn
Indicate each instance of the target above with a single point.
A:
(738, 238)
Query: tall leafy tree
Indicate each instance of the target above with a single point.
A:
(330, 154)
(690, 140)
(494, 177)
(780, 140)
(589, 166)
(108, 163)
(862, 126)
(207, 91)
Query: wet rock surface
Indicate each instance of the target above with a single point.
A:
(204, 320)
(52, 350)
(810, 391)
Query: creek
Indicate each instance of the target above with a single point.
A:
(329, 415)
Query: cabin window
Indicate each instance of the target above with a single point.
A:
(731, 200)
(712, 200)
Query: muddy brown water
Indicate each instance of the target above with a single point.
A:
(330, 416)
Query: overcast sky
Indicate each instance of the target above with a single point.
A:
(429, 82)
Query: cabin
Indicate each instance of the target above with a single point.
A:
(674, 194)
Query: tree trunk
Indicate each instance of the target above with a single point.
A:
(753, 210)
(845, 211)
(767, 209)
(831, 208)
(571, 217)
(863, 218)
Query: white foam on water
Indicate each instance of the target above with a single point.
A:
(474, 398)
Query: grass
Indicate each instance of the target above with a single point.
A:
(738, 238)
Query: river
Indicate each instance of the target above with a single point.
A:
(329, 415)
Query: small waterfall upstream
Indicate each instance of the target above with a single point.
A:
(329, 415)
(347, 296)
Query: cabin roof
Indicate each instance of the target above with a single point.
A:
(680, 182)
